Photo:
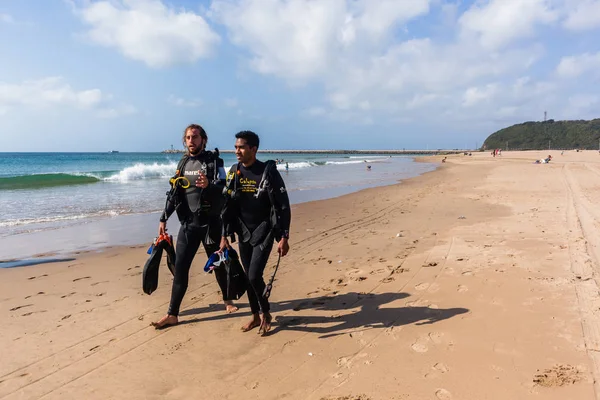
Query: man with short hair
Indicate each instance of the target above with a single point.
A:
(257, 209)
(198, 201)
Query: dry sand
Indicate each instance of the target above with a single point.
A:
(475, 281)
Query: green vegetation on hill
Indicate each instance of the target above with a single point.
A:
(541, 135)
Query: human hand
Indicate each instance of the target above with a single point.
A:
(202, 181)
(162, 228)
(224, 244)
(283, 247)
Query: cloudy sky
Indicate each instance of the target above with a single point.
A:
(80, 75)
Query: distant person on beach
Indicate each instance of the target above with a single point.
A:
(198, 210)
(257, 209)
(287, 167)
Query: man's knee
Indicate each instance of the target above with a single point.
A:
(255, 280)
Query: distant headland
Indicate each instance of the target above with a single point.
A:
(547, 134)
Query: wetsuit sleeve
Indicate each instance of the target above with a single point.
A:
(215, 188)
(228, 213)
(170, 205)
(172, 195)
(282, 202)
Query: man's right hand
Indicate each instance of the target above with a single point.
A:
(224, 244)
(162, 228)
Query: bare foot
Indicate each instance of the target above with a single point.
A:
(252, 324)
(265, 325)
(230, 307)
(165, 322)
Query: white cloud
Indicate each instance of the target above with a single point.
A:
(6, 18)
(149, 31)
(581, 106)
(500, 22)
(48, 92)
(477, 95)
(352, 48)
(574, 66)
(181, 102)
(300, 39)
(55, 92)
(583, 16)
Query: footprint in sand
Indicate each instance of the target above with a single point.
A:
(379, 271)
(433, 288)
(441, 367)
(422, 286)
(419, 347)
(443, 394)
(467, 273)
(436, 337)
(339, 281)
(67, 295)
(343, 362)
(34, 277)
(388, 279)
(354, 272)
(19, 307)
(392, 331)
(83, 277)
(32, 312)
(417, 303)
(462, 288)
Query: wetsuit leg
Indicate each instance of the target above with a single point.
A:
(188, 241)
(254, 261)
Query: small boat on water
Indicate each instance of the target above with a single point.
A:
(113, 151)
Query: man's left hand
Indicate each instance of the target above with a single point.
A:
(202, 181)
(283, 247)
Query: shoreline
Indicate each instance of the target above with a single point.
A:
(459, 283)
(104, 232)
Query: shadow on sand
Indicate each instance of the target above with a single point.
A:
(348, 312)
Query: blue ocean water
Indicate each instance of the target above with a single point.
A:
(57, 202)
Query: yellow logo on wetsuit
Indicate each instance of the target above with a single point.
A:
(248, 185)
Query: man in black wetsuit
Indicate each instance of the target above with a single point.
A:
(257, 209)
(198, 209)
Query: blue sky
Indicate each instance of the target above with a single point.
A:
(79, 75)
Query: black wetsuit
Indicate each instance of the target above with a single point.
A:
(198, 211)
(251, 217)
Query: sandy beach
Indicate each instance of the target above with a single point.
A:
(475, 281)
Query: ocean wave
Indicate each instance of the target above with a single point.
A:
(136, 172)
(37, 181)
(297, 165)
(143, 171)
